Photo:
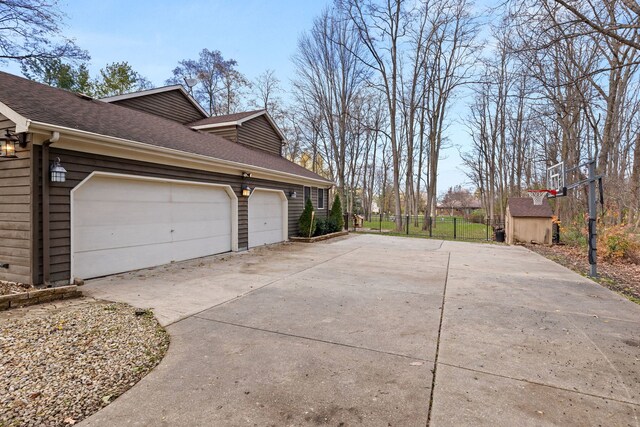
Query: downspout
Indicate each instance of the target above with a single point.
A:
(46, 243)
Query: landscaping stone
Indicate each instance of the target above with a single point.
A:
(59, 363)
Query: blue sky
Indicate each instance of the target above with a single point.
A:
(153, 36)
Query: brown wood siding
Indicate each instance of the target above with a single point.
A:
(170, 105)
(15, 217)
(227, 132)
(80, 165)
(258, 133)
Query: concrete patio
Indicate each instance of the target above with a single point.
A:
(381, 331)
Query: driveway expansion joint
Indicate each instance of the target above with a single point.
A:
(355, 347)
(554, 387)
(435, 362)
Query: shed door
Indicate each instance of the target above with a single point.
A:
(267, 217)
(123, 223)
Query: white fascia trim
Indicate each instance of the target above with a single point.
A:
(241, 121)
(190, 98)
(227, 189)
(110, 146)
(22, 123)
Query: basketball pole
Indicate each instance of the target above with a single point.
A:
(593, 235)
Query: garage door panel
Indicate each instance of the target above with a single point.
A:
(115, 213)
(106, 236)
(195, 248)
(111, 261)
(103, 189)
(189, 193)
(123, 224)
(201, 229)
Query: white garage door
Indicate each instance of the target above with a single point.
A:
(125, 223)
(267, 217)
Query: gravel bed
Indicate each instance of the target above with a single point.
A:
(7, 288)
(63, 362)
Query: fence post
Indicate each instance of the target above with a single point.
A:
(380, 215)
(430, 227)
(407, 225)
(487, 226)
(455, 232)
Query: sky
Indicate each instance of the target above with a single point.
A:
(152, 36)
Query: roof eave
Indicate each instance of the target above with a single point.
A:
(169, 155)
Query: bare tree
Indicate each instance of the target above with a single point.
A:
(32, 30)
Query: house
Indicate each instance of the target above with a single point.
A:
(458, 207)
(526, 222)
(148, 179)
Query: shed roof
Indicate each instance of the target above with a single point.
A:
(524, 207)
(39, 103)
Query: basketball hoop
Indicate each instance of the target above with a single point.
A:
(539, 195)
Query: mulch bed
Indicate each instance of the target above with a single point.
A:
(61, 362)
(621, 276)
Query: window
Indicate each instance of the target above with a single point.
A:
(320, 198)
(307, 194)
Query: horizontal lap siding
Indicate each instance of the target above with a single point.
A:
(15, 217)
(258, 133)
(229, 133)
(170, 105)
(81, 165)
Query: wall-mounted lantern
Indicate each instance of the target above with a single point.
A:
(293, 195)
(8, 145)
(58, 173)
(246, 191)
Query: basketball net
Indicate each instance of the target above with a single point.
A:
(538, 196)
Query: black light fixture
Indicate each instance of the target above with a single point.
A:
(58, 173)
(246, 191)
(8, 145)
(293, 195)
(246, 175)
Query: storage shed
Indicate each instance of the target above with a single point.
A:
(526, 222)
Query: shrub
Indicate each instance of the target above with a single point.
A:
(336, 214)
(616, 243)
(332, 226)
(321, 227)
(477, 216)
(307, 220)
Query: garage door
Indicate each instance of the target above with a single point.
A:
(267, 217)
(126, 223)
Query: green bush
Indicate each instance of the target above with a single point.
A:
(336, 214)
(321, 227)
(477, 216)
(332, 226)
(307, 220)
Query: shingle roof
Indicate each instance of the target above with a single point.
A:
(45, 104)
(225, 118)
(524, 207)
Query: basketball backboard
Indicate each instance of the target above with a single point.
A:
(555, 179)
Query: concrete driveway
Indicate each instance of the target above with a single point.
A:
(381, 331)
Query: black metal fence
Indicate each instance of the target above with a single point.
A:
(441, 227)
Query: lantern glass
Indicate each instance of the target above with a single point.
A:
(8, 145)
(58, 173)
(246, 191)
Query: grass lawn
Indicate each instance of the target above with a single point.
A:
(443, 227)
